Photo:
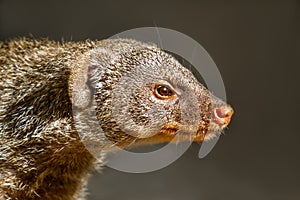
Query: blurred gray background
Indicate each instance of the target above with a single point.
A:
(255, 45)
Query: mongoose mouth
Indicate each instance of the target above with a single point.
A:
(220, 119)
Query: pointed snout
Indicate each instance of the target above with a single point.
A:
(222, 115)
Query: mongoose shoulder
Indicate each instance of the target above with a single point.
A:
(42, 82)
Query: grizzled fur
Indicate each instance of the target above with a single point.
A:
(38, 141)
(43, 83)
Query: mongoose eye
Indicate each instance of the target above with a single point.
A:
(163, 92)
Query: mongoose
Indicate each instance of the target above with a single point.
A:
(42, 155)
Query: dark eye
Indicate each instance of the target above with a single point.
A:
(163, 92)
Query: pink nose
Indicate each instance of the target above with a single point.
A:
(222, 115)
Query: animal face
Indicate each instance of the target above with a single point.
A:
(157, 98)
(145, 95)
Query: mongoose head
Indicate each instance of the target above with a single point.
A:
(142, 94)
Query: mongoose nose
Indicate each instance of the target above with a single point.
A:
(222, 115)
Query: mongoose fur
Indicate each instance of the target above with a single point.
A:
(42, 155)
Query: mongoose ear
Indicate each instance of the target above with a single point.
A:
(79, 89)
(85, 75)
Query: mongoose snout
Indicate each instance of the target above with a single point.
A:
(222, 115)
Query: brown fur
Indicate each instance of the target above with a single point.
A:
(42, 155)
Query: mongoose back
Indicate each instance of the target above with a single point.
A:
(42, 82)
